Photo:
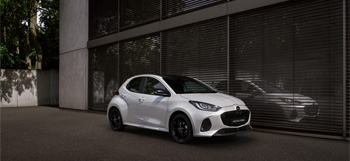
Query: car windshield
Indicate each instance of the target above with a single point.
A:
(269, 87)
(183, 85)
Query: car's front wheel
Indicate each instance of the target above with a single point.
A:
(115, 120)
(181, 129)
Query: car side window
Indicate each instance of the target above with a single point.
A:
(238, 86)
(134, 85)
(242, 87)
(151, 84)
(245, 87)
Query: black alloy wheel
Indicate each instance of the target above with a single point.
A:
(115, 120)
(181, 129)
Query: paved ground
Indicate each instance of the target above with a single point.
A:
(45, 133)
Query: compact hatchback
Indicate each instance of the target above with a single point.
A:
(183, 106)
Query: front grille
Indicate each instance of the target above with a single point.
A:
(311, 110)
(235, 118)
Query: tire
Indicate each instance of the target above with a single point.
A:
(115, 120)
(181, 129)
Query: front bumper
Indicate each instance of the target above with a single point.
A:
(223, 122)
(233, 131)
(296, 113)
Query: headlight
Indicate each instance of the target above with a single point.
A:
(205, 106)
(291, 101)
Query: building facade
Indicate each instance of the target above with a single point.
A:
(288, 60)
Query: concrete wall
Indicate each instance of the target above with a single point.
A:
(73, 73)
(28, 88)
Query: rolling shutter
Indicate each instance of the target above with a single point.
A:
(296, 47)
(198, 50)
(103, 17)
(139, 56)
(103, 75)
(176, 7)
(137, 12)
(286, 61)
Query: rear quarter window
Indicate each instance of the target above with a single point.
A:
(134, 85)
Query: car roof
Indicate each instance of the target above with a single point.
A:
(146, 75)
(174, 76)
(159, 76)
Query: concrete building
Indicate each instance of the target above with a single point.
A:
(295, 53)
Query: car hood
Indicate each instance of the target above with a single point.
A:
(218, 99)
(295, 96)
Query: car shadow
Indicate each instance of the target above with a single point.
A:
(221, 141)
(140, 132)
(224, 141)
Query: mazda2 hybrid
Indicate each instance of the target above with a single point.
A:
(183, 106)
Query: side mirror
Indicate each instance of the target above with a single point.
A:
(161, 92)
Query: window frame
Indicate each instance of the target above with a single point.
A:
(140, 86)
(144, 84)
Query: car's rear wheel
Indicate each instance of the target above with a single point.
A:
(181, 129)
(115, 120)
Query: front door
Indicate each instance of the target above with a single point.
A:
(152, 109)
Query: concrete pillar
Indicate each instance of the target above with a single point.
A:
(73, 72)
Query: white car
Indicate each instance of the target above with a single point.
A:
(185, 107)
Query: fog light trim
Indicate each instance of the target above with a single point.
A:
(206, 125)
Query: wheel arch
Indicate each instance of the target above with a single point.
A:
(110, 109)
(120, 104)
(176, 113)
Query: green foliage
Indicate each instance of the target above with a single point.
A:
(17, 44)
(12, 18)
(49, 33)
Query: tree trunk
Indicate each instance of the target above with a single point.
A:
(28, 50)
(33, 37)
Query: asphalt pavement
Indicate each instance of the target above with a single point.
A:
(47, 133)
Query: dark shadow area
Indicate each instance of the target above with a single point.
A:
(47, 87)
(220, 141)
(43, 87)
(140, 132)
(224, 141)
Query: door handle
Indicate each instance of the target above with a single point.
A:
(141, 99)
(123, 95)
